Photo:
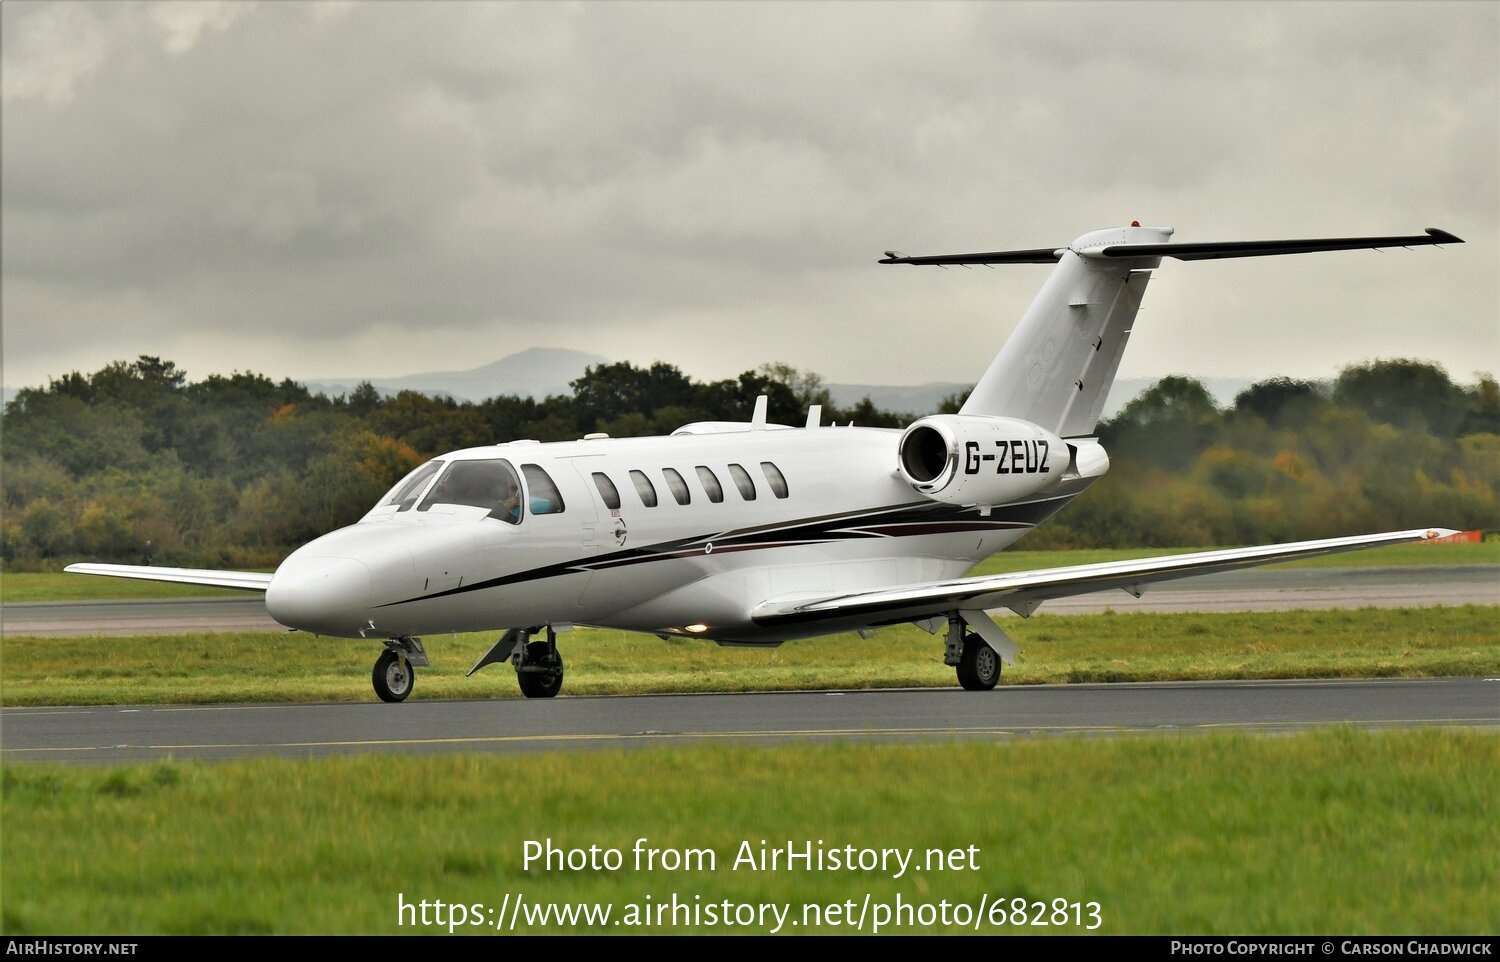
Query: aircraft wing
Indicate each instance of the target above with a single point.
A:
(1023, 591)
(246, 580)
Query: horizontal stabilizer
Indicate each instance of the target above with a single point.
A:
(1183, 252)
(1047, 255)
(1218, 249)
(208, 577)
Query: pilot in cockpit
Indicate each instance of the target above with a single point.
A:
(509, 508)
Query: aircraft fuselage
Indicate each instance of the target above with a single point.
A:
(826, 503)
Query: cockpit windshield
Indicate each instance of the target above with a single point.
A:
(404, 494)
(492, 485)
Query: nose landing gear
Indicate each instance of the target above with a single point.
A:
(395, 669)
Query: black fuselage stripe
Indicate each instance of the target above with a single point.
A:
(823, 530)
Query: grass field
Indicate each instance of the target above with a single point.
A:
(1335, 831)
(1370, 642)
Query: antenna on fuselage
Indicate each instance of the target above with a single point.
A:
(814, 415)
(758, 419)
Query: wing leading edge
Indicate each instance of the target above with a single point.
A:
(208, 577)
(1023, 591)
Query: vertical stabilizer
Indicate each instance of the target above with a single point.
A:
(1056, 369)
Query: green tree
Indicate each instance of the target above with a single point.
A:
(1483, 413)
(807, 387)
(953, 402)
(431, 425)
(1167, 426)
(1280, 400)
(608, 391)
(1405, 393)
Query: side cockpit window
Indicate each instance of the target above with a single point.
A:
(544, 497)
(405, 493)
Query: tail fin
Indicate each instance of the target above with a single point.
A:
(1057, 367)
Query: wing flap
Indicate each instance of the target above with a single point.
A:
(208, 577)
(1024, 590)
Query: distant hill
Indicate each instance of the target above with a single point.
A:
(536, 372)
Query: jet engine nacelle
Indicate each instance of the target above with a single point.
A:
(967, 459)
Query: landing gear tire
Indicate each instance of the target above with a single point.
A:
(393, 676)
(541, 674)
(979, 668)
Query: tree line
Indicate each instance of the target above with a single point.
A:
(136, 462)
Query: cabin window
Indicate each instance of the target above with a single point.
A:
(742, 481)
(644, 488)
(404, 494)
(710, 483)
(545, 498)
(492, 485)
(775, 479)
(677, 486)
(607, 491)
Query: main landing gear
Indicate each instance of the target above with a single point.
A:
(395, 669)
(539, 665)
(978, 666)
(975, 660)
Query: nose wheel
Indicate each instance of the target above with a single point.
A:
(393, 676)
(395, 670)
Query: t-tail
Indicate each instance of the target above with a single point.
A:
(1056, 369)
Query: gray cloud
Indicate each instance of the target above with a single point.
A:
(314, 189)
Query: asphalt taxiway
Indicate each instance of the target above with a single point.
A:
(123, 734)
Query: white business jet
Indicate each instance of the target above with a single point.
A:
(752, 533)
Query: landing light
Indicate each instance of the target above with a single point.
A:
(696, 629)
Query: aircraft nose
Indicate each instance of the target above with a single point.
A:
(329, 596)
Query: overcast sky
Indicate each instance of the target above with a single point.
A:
(373, 189)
